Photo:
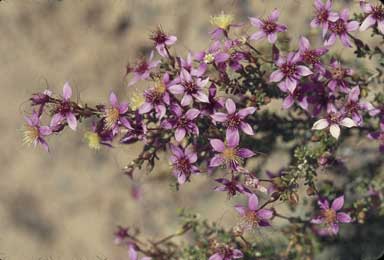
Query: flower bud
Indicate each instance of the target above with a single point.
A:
(293, 198)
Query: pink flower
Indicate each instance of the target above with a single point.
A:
(337, 76)
(115, 112)
(157, 98)
(191, 88)
(268, 27)
(183, 123)
(229, 153)
(375, 14)
(341, 28)
(65, 110)
(34, 133)
(234, 120)
(289, 72)
(311, 56)
(142, 70)
(183, 163)
(252, 217)
(162, 41)
(330, 217)
(323, 15)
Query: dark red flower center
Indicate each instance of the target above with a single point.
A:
(142, 67)
(334, 117)
(190, 87)
(288, 69)
(269, 27)
(378, 12)
(153, 95)
(233, 121)
(338, 27)
(183, 165)
(322, 16)
(352, 107)
(64, 108)
(310, 57)
(159, 37)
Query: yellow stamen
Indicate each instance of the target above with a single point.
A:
(92, 139)
(30, 135)
(160, 87)
(136, 101)
(329, 215)
(111, 117)
(222, 20)
(208, 58)
(229, 154)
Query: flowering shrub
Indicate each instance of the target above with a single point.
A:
(210, 113)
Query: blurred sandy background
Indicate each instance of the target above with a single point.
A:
(66, 204)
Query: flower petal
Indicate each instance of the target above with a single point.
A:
(217, 145)
(67, 91)
(192, 113)
(338, 203)
(265, 213)
(348, 122)
(245, 153)
(276, 76)
(71, 120)
(253, 202)
(246, 128)
(180, 134)
(320, 124)
(240, 209)
(217, 160)
(232, 137)
(230, 106)
(303, 71)
(343, 217)
(334, 129)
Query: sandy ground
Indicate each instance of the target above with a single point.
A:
(66, 204)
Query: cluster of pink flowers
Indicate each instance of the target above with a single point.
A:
(185, 109)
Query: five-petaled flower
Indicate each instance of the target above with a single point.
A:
(142, 70)
(334, 120)
(183, 161)
(323, 15)
(157, 98)
(162, 42)
(267, 27)
(330, 217)
(289, 72)
(253, 216)
(341, 28)
(113, 114)
(191, 88)
(229, 153)
(311, 56)
(34, 133)
(64, 110)
(183, 123)
(234, 120)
